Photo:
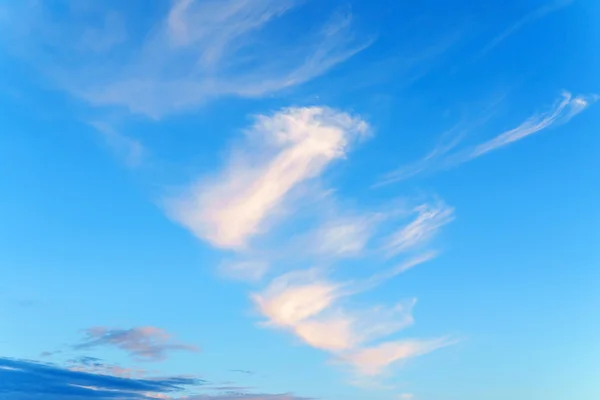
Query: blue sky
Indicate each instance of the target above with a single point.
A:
(287, 200)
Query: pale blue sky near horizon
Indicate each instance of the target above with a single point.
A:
(295, 199)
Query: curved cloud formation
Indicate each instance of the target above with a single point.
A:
(445, 155)
(258, 190)
(285, 150)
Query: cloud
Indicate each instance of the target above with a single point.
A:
(110, 32)
(216, 26)
(191, 53)
(246, 270)
(527, 19)
(131, 151)
(309, 306)
(561, 112)
(284, 150)
(255, 192)
(343, 237)
(447, 155)
(142, 343)
(244, 207)
(29, 380)
(373, 360)
(430, 219)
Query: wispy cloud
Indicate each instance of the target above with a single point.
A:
(244, 270)
(373, 360)
(447, 156)
(527, 19)
(343, 237)
(284, 150)
(430, 219)
(310, 306)
(194, 52)
(131, 151)
(258, 192)
(142, 343)
(561, 112)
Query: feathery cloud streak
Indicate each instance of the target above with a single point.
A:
(372, 361)
(194, 52)
(561, 112)
(445, 156)
(527, 19)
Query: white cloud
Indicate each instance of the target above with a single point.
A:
(527, 19)
(295, 297)
(398, 269)
(373, 360)
(316, 309)
(206, 49)
(430, 219)
(343, 237)
(445, 155)
(215, 26)
(310, 309)
(111, 32)
(245, 270)
(561, 112)
(191, 53)
(131, 151)
(288, 148)
(310, 306)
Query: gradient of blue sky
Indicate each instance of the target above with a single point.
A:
(285, 199)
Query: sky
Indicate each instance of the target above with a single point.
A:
(299, 199)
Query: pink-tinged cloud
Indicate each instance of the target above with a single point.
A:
(374, 360)
(142, 343)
